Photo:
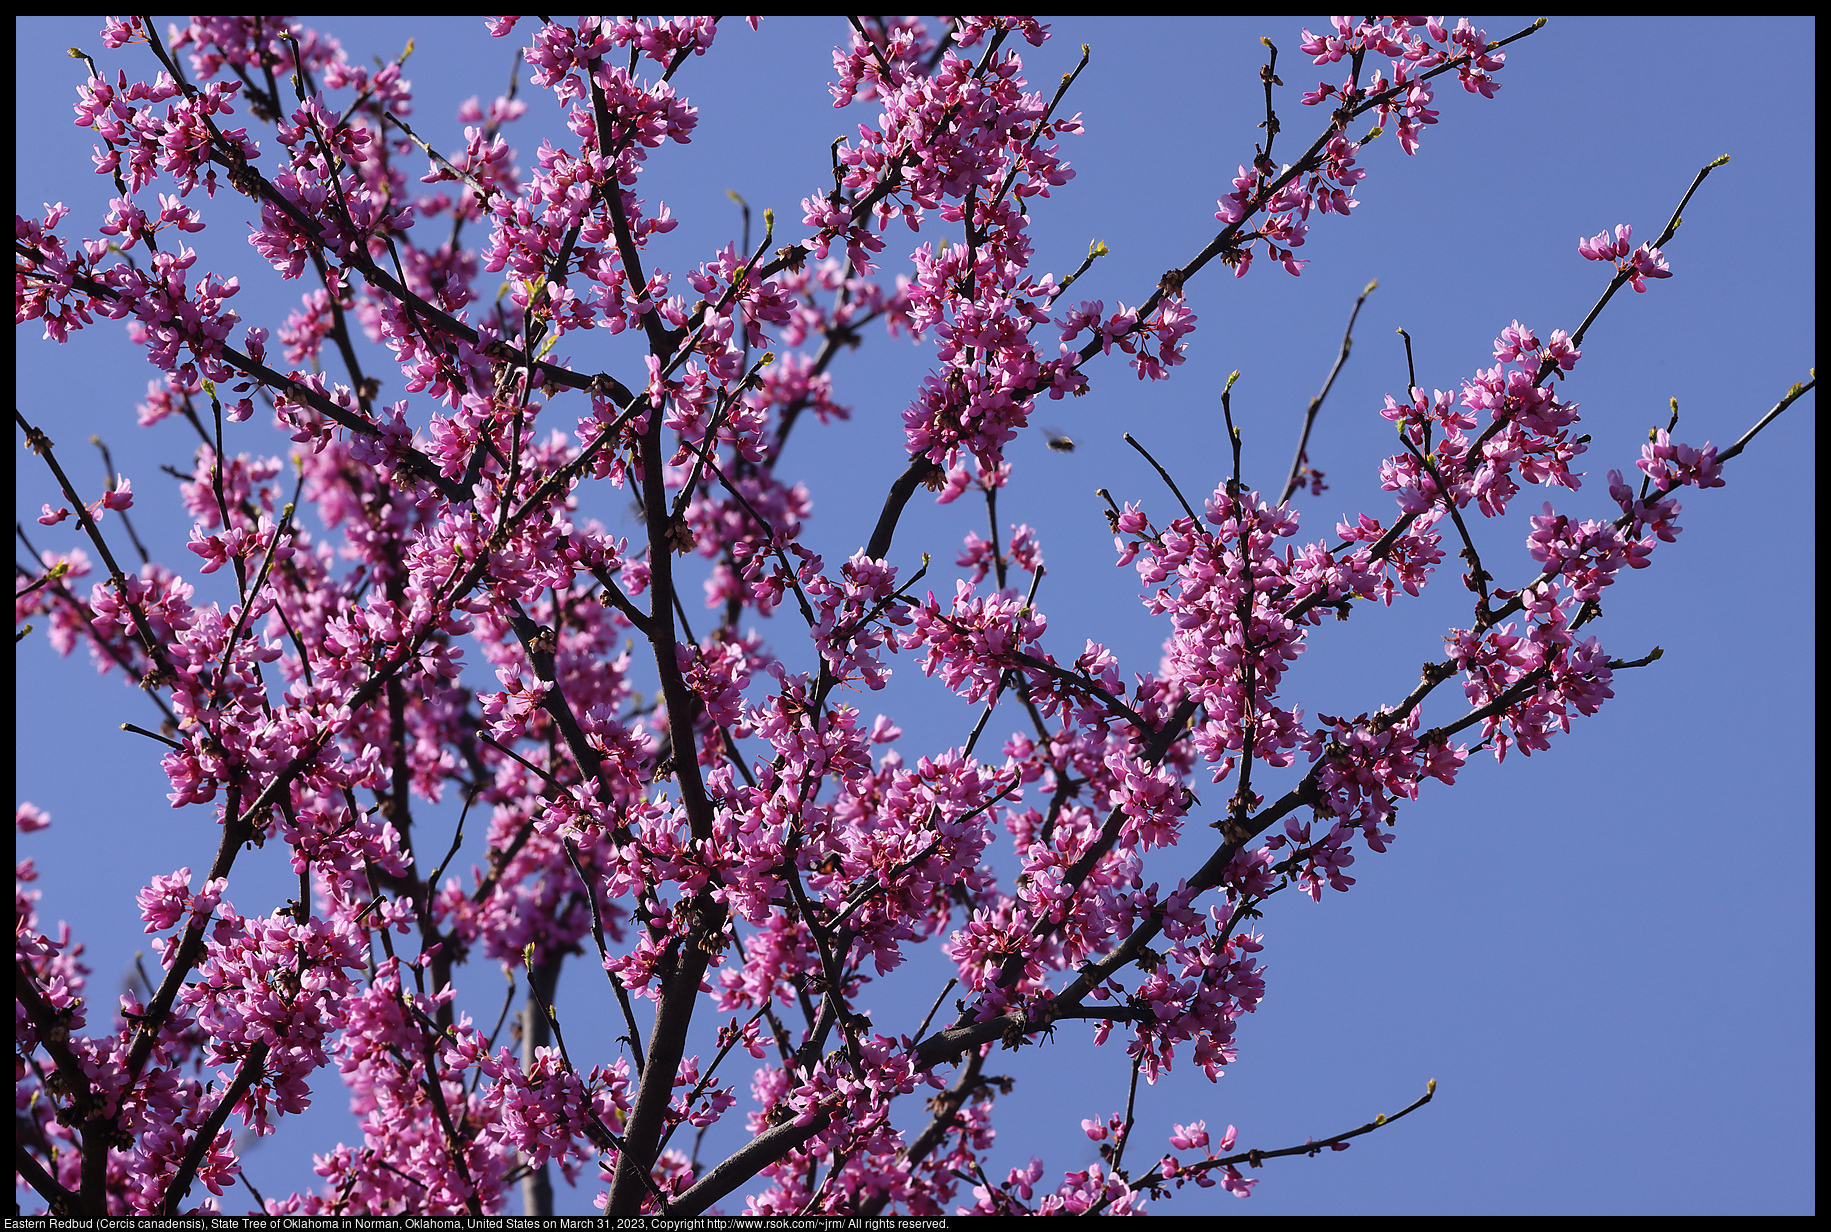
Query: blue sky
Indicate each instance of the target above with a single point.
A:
(1603, 953)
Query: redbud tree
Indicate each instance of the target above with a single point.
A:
(523, 581)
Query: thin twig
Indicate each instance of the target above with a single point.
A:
(1309, 417)
(1168, 482)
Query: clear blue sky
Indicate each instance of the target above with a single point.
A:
(1604, 953)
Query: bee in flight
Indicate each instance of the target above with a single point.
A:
(1057, 441)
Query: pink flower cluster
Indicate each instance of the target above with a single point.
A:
(1419, 48)
(1638, 264)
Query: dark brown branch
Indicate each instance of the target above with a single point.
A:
(1256, 1158)
(920, 471)
(1309, 416)
(253, 1067)
(761, 1151)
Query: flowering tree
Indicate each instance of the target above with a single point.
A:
(489, 365)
